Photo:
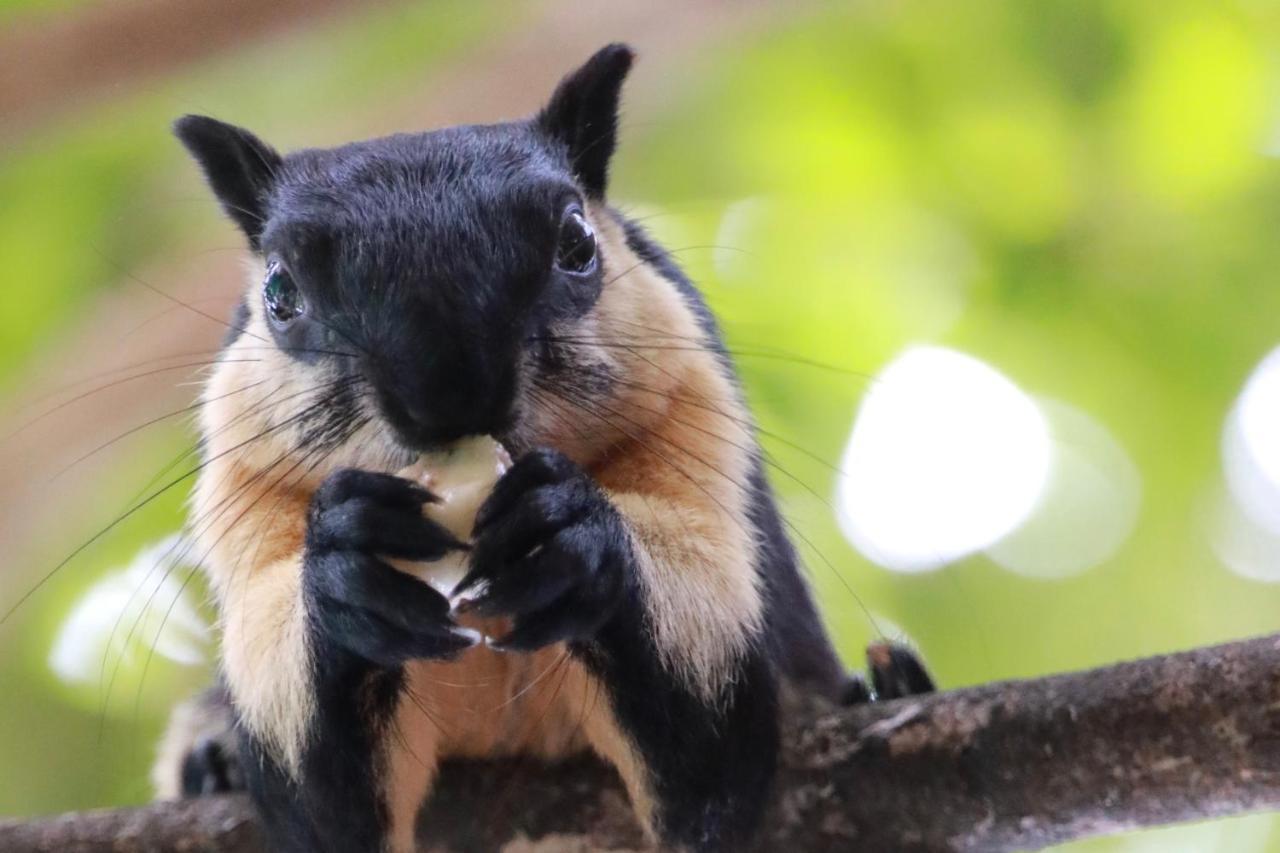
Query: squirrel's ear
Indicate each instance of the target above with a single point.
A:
(239, 167)
(583, 114)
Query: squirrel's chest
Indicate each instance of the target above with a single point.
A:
(489, 703)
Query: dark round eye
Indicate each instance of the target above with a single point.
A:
(281, 295)
(576, 248)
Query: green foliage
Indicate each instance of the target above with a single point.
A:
(18, 10)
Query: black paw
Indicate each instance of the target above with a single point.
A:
(855, 691)
(211, 767)
(896, 671)
(199, 753)
(551, 551)
(357, 601)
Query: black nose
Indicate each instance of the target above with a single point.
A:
(425, 435)
(429, 408)
(423, 426)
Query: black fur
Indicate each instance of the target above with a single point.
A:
(711, 766)
(239, 166)
(897, 672)
(337, 807)
(211, 764)
(239, 321)
(583, 115)
(208, 769)
(427, 259)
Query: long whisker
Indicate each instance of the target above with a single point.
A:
(149, 286)
(588, 408)
(79, 397)
(320, 454)
(262, 403)
(84, 380)
(532, 683)
(703, 403)
(608, 343)
(174, 557)
(211, 517)
(194, 407)
(746, 424)
(190, 574)
(132, 511)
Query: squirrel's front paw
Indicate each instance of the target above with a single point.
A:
(551, 551)
(354, 598)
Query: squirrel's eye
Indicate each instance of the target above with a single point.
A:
(281, 295)
(576, 249)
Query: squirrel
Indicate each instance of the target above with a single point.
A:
(409, 292)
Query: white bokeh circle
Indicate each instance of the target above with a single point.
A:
(1089, 506)
(946, 457)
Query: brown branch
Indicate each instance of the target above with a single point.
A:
(1004, 766)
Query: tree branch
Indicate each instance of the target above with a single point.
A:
(1004, 766)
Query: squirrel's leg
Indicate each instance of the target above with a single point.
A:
(324, 756)
(659, 604)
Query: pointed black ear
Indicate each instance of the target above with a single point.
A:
(239, 167)
(583, 114)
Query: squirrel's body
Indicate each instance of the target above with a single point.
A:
(632, 563)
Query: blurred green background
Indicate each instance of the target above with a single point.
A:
(1054, 222)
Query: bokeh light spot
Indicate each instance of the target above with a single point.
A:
(1244, 523)
(946, 457)
(1251, 445)
(1088, 508)
(141, 606)
(1247, 548)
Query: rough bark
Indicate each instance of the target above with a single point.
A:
(1013, 765)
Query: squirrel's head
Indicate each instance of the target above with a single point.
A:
(422, 278)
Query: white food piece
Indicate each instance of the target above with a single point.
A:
(461, 476)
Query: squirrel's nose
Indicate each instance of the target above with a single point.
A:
(426, 411)
(424, 432)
